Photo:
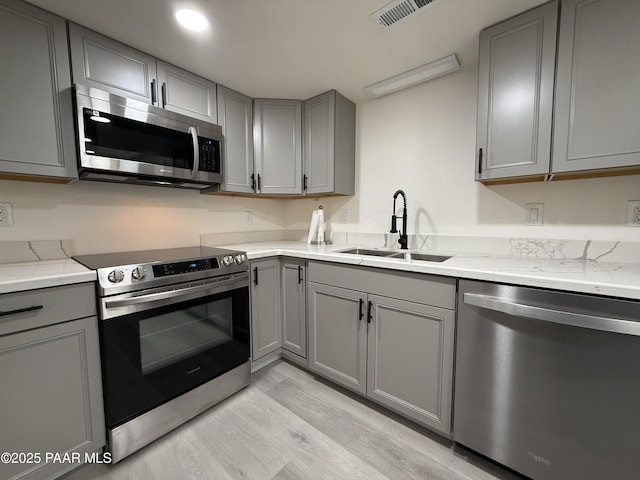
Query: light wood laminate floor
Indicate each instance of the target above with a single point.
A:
(289, 425)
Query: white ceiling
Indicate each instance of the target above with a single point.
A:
(293, 48)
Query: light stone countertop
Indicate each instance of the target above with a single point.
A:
(574, 275)
(17, 277)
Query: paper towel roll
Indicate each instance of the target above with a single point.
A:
(321, 225)
(313, 226)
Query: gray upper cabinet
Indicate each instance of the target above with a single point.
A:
(235, 115)
(185, 93)
(597, 116)
(266, 324)
(329, 144)
(515, 95)
(294, 307)
(98, 61)
(277, 137)
(35, 78)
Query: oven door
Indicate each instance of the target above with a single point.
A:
(171, 342)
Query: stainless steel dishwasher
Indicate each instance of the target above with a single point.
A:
(548, 383)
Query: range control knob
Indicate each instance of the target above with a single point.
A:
(240, 257)
(115, 276)
(138, 273)
(227, 260)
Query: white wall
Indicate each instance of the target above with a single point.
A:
(107, 217)
(422, 140)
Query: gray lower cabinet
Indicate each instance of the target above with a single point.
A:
(385, 335)
(277, 137)
(338, 335)
(329, 144)
(36, 118)
(109, 65)
(51, 398)
(294, 307)
(515, 95)
(266, 323)
(597, 111)
(410, 351)
(235, 115)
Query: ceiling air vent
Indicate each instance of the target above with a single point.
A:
(399, 10)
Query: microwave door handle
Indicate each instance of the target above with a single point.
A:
(196, 150)
(200, 290)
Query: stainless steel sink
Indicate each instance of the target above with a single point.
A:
(364, 251)
(423, 257)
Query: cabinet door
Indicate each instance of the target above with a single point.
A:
(185, 93)
(278, 145)
(235, 114)
(36, 117)
(329, 144)
(294, 311)
(515, 95)
(410, 360)
(319, 143)
(51, 396)
(338, 335)
(101, 62)
(266, 330)
(597, 116)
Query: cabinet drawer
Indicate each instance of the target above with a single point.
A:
(415, 287)
(47, 306)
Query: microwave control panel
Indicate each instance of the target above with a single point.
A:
(209, 155)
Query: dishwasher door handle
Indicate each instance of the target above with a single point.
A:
(605, 324)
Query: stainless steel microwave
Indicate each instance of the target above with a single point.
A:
(128, 141)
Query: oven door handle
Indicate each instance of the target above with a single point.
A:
(190, 292)
(562, 317)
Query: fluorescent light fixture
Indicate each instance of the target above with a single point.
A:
(192, 20)
(414, 76)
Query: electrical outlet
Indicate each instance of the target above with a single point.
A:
(534, 213)
(344, 215)
(249, 217)
(633, 213)
(6, 215)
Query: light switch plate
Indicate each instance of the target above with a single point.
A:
(534, 213)
(633, 213)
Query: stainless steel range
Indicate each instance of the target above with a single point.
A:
(174, 337)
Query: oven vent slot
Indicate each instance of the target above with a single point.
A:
(399, 10)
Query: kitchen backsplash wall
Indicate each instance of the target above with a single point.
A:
(104, 217)
(422, 140)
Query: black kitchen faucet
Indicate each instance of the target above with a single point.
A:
(403, 234)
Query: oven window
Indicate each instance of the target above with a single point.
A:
(173, 336)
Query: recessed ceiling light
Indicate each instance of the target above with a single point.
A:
(192, 20)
